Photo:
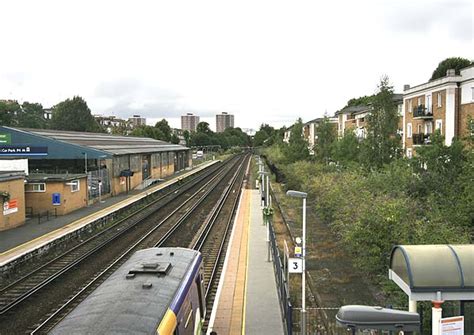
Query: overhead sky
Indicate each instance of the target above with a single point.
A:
(263, 61)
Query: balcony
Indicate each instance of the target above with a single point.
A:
(421, 112)
(421, 139)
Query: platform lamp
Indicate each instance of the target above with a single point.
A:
(87, 178)
(297, 194)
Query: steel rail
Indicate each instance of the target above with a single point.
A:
(119, 259)
(20, 298)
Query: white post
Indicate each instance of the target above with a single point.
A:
(436, 315)
(412, 305)
(100, 192)
(303, 278)
(270, 197)
(268, 241)
(263, 188)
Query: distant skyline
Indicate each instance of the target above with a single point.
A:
(262, 61)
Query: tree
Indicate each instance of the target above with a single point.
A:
(346, 149)
(382, 143)
(74, 114)
(203, 127)
(186, 136)
(31, 116)
(264, 136)
(164, 129)
(174, 139)
(8, 112)
(456, 63)
(361, 101)
(148, 131)
(325, 138)
(297, 148)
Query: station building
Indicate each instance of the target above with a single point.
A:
(67, 170)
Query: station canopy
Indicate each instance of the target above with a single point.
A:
(59, 144)
(434, 272)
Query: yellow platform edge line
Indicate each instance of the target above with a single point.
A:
(247, 219)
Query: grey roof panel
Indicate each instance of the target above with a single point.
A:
(435, 267)
(122, 306)
(111, 144)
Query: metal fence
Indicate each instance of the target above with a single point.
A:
(93, 179)
(281, 281)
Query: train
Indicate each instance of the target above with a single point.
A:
(156, 291)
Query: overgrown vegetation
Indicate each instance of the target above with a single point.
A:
(373, 198)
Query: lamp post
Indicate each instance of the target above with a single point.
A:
(265, 208)
(265, 189)
(87, 178)
(297, 194)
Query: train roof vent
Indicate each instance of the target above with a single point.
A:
(159, 268)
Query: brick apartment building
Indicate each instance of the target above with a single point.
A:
(189, 122)
(224, 121)
(354, 118)
(445, 105)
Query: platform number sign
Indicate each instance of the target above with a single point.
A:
(295, 265)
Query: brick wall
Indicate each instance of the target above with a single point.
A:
(16, 189)
(41, 202)
(466, 111)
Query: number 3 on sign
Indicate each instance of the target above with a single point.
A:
(295, 265)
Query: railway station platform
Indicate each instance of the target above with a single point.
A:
(31, 236)
(247, 298)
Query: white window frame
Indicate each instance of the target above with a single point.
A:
(409, 152)
(440, 101)
(439, 125)
(419, 101)
(75, 185)
(428, 103)
(428, 128)
(40, 189)
(409, 130)
(410, 106)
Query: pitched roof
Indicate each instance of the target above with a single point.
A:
(110, 144)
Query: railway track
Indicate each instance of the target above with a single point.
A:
(21, 293)
(214, 238)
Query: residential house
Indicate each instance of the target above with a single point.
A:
(445, 105)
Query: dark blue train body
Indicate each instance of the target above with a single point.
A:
(157, 291)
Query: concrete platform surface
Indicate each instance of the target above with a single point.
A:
(247, 297)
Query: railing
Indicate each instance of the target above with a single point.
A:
(282, 287)
(422, 111)
(421, 139)
(46, 214)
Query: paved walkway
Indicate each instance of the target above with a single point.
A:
(23, 239)
(247, 298)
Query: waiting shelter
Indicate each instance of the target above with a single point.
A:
(435, 273)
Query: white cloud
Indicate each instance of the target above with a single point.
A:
(264, 61)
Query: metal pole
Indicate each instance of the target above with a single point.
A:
(266, 188)
(268, 239)
(87, 179)
(303, 275)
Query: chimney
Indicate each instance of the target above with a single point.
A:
(450, 72)
(406, 87)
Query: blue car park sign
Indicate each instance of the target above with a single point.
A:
(23, 150)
